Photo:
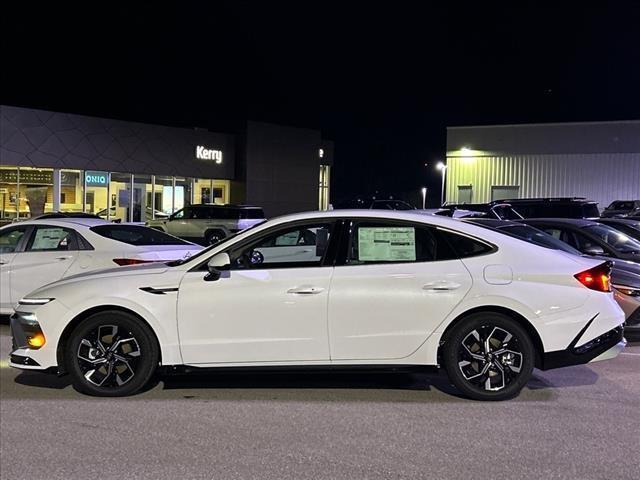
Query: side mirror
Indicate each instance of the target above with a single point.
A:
(215, 265)
(593, 250)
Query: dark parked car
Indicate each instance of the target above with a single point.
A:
(590, 237)
(625, 275)
(568, 207)
(495, 210)
(622, 208)
(625, 225)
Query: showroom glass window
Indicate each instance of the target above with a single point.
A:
(142, 195)
(9, 182)
(71, 190)
(96, 196)
(164, 194)
(291, 247)
(35, 196)
(121, 198)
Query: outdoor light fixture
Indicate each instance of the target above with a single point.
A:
(440, 166)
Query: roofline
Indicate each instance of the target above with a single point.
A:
(543, 124)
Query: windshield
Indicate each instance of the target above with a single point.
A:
(136, 235)
(201, 253)
(622, 206)
(616, 239)
(537, 237)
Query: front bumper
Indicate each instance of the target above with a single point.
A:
(24, 325)
(606, 346)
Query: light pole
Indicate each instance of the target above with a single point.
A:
(424, 196)
(443, 168)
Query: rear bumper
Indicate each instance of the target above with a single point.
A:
(606, 346)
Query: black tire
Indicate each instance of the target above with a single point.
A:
(214, 236)
(102, 344)
(500, 375)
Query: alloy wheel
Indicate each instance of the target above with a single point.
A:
(490, 358)
(108, 356)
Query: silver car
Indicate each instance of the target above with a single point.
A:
(208, 223)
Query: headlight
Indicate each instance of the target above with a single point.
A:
(631, 291)
(26, 331)
(35, 301)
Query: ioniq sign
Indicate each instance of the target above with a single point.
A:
(204, 153)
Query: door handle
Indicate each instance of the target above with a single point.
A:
(63, 257)
(441, 286)
(305, 290)
(2, 262)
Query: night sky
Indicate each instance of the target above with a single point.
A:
(382, 81)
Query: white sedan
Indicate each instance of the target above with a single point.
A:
(325, 289)
(35, 253)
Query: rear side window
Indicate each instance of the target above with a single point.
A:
(465, 247)
(136, 235)
(396, 243)
(590, 210)
(251, 213)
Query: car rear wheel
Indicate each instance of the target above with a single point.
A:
(214, 236)
(111, 354)
(488, 356)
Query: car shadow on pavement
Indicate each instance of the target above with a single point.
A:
(319, 386)
(43, 380)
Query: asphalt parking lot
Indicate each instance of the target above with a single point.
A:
(580, 422)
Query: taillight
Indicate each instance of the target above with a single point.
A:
(131, 261)
(597, 278)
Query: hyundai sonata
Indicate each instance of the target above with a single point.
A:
(347, 288)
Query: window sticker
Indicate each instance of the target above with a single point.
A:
(386, 244)
(49, 239)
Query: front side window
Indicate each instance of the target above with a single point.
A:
(10, 238)
(180, 214)
(300, 246)
(373, 242)
(52, 239)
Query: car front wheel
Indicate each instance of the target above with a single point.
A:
(488, 356)
(111, 354)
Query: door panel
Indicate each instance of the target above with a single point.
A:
(49, 253)
(265, 315)
(5, 280)
(31, 270)
(387, 311)
(12, 241)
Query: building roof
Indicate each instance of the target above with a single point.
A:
(546, 138)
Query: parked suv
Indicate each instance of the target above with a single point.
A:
(569, 207)
(622, 208)
(207, 223)
(495, 210)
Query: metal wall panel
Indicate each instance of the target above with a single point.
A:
(602, 177)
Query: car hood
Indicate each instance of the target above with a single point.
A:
(107, 273)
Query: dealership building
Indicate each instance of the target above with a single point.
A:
(52, 161)
(596, 160)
